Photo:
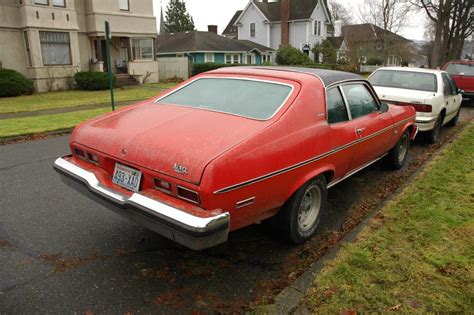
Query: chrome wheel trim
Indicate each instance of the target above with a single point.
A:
(403, 148)
(309, 208)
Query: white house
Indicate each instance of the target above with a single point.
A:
(300, 23)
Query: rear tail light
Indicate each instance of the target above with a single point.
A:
(86, 156)
(423, 108)
(93, 158)
(162, 185)
(187, 194)
(80, 153)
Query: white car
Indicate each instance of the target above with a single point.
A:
(432, 93)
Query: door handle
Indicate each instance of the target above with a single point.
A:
(360, 130)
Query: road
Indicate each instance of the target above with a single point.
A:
(61, 253)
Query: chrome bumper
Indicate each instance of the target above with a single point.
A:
(191, 231)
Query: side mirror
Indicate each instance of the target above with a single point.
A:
(383, 107)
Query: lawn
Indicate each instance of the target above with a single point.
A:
(417, 253)
(77, 98)
(45, 123)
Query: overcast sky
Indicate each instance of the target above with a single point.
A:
(205, 12)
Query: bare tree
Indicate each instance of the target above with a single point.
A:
(453, 20)
(389, 15)
(340, 13)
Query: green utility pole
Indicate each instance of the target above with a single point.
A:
(109, 63)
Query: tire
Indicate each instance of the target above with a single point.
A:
(397, 157)
(455, 121)
(433, 135)
(301, 214)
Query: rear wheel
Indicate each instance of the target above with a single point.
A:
(398, 155)
(433, 135)
(302, 212)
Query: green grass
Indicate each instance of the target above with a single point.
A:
(45, 123)
(74, 98)
(417, 254)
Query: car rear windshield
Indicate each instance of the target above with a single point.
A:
(405, 80)
(247, 98)
(457, 69)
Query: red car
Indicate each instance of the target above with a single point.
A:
(462, 72)
(233, 147)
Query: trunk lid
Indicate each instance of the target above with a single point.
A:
(163, 137)
(403, 95)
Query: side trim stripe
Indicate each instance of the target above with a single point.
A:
(306, 162)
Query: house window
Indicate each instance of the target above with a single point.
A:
(250, 59)
(208, 57)
(253, 28)
(266, 58)
(378, 46)
(142, 49)
(42, 2)
(27, 46)
(391, 60)
(317, 28)
(124, 5)
(232, 58)
(363, 60)
(59, 3)
(55, 48)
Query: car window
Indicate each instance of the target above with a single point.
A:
(454, 87)
(360, 100)
(409, 80)
(447, 89)
(247, 98)
(337, 111)
(457, 69)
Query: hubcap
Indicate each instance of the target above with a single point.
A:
(309, 208)
(402, 152)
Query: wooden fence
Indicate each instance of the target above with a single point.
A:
(173, 67)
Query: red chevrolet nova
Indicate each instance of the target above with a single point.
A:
(236, 146)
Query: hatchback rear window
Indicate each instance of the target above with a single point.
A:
(405, 80)
(247, 98)
(457, 69)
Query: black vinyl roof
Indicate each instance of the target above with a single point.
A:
(328, 77)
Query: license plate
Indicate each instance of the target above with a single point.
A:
(127, 177)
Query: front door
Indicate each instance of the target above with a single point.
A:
(372, 127)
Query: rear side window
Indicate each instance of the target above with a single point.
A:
(337, 111)
(448, 89)
(360, 100)
(457, 69)
(248, 98)
(405, 80)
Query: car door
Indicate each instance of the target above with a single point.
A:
(372, 127)
(456, 95)
(449, 98)
(342, 131)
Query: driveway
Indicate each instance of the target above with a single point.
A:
(61, 253)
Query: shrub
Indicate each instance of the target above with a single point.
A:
(374, 61)
(13, 83)
(288, 55)
(93, 80)
(208, 66)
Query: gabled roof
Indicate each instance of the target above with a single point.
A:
(203, 41)
(299, 9)
(367, 32)
(336, 42)
(231, 29)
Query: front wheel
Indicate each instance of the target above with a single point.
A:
(398, 155)
(302, 212)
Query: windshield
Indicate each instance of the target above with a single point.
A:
(248, 98)
(405, 80)
(457, 69)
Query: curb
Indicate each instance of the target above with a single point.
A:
(35, 136)
(287, 301)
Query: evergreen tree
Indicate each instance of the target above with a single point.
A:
(177, 18)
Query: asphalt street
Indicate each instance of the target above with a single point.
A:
(62, 253)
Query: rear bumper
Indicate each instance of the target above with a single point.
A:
(425, 123)
(189, 230)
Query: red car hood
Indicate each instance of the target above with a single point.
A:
(158, 136)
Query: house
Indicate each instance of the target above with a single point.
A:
(370, 44)
(339, 43)
(202, 47)
(50, 40)
(232, 31)
(300, 23)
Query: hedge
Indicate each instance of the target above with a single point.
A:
(13, 83)
(92, 80)
(204, 67)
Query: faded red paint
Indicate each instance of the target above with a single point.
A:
(222, 150)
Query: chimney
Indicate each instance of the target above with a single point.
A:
(212, 29)
(285, 15)
(337, 28)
